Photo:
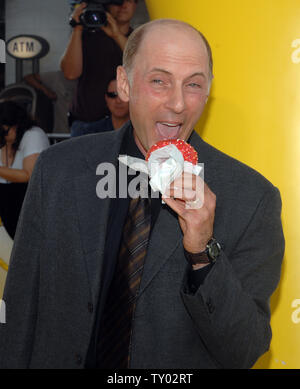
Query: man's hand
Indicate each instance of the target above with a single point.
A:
(50, 94)
(77, 12)
(113, 31)
(195, 204)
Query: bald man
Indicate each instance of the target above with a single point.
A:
(203, 293)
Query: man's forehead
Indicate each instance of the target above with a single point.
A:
(166, 33)
(165, 44)
(178, 38)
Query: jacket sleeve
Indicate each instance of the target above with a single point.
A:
(231, 308)
(22, 283)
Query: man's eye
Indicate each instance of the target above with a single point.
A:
(195, 85)
(157, 81)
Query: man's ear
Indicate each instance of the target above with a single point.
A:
(122, 84)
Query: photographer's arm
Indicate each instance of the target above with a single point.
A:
(71, 62)
(35, 81)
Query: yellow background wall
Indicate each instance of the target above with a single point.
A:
(254, 115)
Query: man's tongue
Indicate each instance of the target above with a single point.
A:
(168, 131)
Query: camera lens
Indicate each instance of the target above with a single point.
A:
(95, 18)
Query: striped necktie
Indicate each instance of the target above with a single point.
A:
(114, 346)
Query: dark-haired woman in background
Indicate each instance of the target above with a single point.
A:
(21, 142)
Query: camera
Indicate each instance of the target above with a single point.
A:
(94, 15)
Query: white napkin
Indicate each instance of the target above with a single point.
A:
(163, 167)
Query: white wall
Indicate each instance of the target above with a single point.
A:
(141, 14)
(48, 19)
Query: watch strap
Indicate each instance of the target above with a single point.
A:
(209, 255)
(73, 23)
(197, 258)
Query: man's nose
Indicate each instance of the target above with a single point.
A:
(176, 99)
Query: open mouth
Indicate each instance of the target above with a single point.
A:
(168, 130)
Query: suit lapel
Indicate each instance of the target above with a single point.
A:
(165, 238)
(93, 212)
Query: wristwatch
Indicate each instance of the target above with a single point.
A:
(73, 23)
(209, 255)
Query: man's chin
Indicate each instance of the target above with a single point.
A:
(139, 144)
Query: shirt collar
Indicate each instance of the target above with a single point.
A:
(129, 146)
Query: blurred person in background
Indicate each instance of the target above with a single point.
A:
(119, 110)
(92, 57)
(21, 142)
(60, 91)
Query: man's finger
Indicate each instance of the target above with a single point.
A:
(177, 205)
(189, 181)
(184, 194)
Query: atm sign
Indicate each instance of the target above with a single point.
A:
(26, 47)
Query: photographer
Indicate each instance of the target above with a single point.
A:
(92, 56)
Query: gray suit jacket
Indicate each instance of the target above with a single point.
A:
(54, 276)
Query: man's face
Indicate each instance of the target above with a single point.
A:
(169, 85)
(123, 13)
(117, 107)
